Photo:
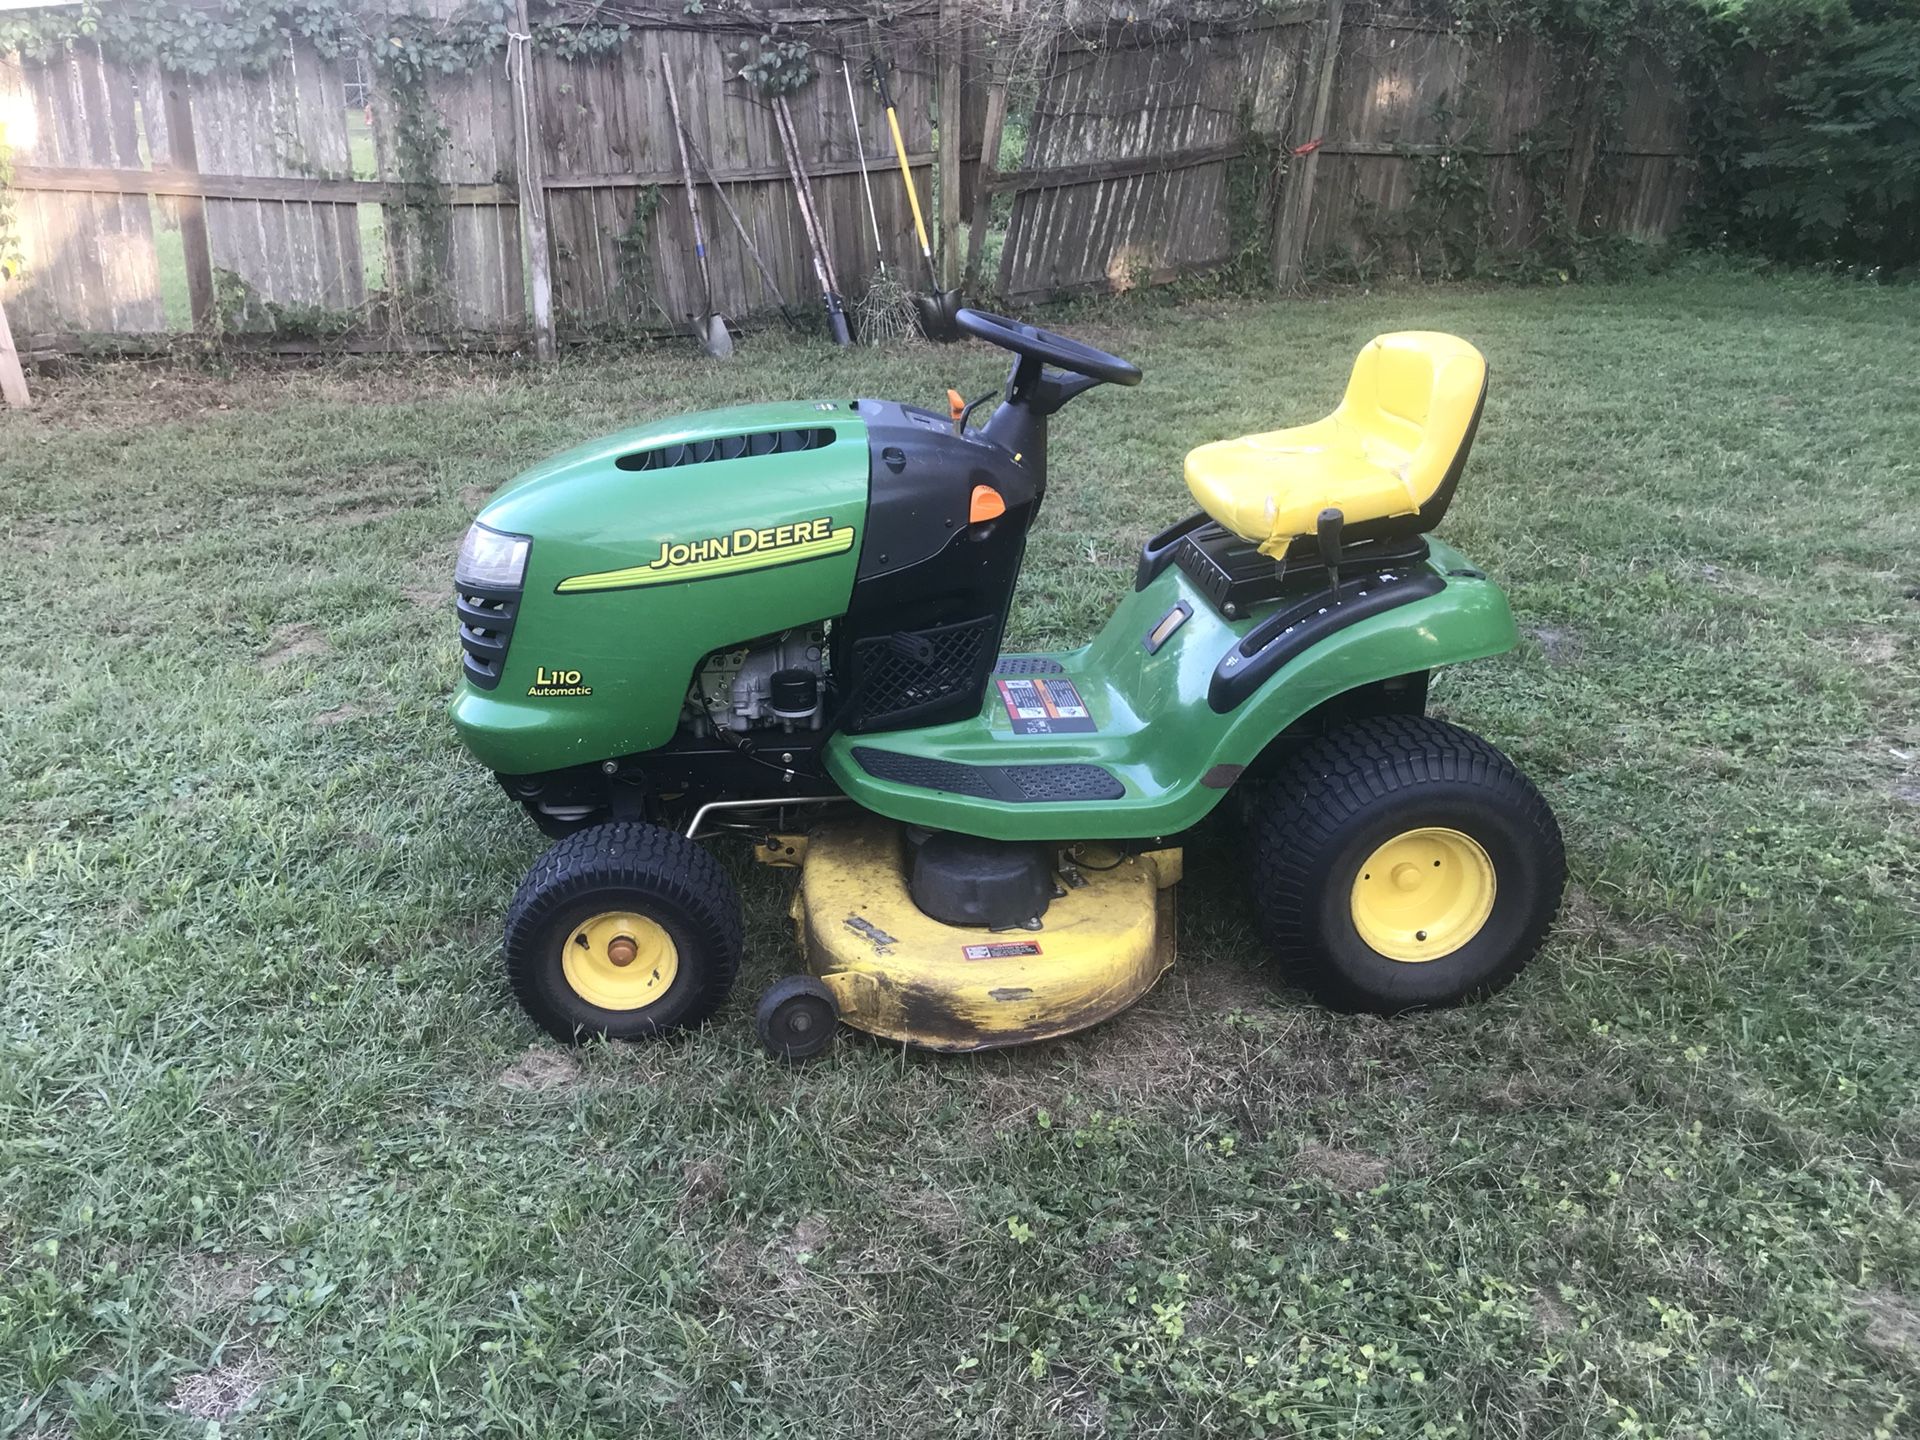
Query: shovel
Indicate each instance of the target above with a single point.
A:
(766, 276)
(810, 222)
(711, 329)
(938, 307)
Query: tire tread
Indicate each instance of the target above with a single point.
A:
(646, 857)
(1335, 776)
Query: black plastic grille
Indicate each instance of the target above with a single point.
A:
(729, 447)
(486, 625)
(901, 675)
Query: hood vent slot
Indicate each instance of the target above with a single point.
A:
(729, 447)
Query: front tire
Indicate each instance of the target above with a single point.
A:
(1402, 863)
(623, 930)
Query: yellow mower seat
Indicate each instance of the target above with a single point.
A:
(1391, 453)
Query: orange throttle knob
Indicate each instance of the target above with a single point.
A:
(956, 404)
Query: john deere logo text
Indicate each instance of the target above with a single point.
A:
(714, 555)
(557, 682)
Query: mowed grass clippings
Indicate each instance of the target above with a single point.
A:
(278, 1153)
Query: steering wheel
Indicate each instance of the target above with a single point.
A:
(1030, 341)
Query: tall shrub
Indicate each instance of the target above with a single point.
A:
(1810, 129)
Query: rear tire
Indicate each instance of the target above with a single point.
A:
(1402, 863)
(623, 930)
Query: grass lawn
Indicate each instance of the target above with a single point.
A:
(277, 1150)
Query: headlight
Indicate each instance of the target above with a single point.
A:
(490, 560)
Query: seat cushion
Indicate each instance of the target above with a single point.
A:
(1391, 451)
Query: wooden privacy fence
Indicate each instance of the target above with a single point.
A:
(149, 202)
(317, 200)
(1125, 178)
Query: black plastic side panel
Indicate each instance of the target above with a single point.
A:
(927, 578)
(921, 478)
(1278, 639)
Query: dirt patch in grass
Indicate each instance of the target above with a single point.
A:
(340, 714)
(429, 597)
(1738, 582)
(51, 538)
(203, 1285)
(1893, 1326)
(294, 642)
(225, 1390)
(1899, 767)
(1869, 648)
(541, 1069)
(705, 1181)
(793, 1257)
(1552, 1315)
(935, 1211)
(1351, 1172)
(1561, 646)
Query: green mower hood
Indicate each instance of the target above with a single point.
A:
(648, 550)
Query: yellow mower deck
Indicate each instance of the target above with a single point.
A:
(898, 973)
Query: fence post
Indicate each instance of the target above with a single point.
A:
(952, 130)
(533, 185)
(1296, 193)
(183, 156)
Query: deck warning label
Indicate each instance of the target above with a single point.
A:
(1045, 705)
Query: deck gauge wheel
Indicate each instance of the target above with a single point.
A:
(797, 1019)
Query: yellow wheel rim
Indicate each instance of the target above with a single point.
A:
(620, 961)
(1423, 894)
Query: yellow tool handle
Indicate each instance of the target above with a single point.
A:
(906, 173)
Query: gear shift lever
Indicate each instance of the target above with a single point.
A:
(1327, 533)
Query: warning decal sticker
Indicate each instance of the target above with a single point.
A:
(1004, 950)
(1045, 705)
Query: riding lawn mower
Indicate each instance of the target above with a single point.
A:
(784, 622)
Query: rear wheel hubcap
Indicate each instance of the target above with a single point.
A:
(1423, 894)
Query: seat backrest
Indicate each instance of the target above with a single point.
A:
(1419, 391)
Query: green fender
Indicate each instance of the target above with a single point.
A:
(1469, 620)
(1156, 732)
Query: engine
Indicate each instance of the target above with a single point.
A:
(773, 683)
